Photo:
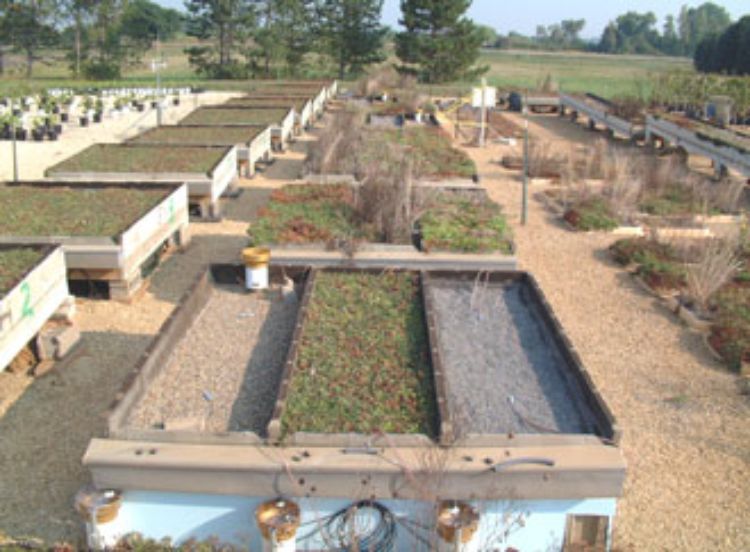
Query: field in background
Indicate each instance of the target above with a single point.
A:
(606, 75)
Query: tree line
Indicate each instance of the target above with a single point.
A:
(247, 38)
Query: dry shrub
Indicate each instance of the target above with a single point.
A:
(727, 195)
(623, 188)
(378, 81)
(717, 263)
(384, 198)
(335, 151)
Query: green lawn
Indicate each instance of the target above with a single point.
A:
(606, 75)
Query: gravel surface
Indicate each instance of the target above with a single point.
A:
(224, 373)
(502, 368)
(686, 432)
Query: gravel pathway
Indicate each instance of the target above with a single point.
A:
(502, 367)
(224, 373)
(686, 431)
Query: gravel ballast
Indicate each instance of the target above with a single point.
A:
(503, 370)
(224, 373)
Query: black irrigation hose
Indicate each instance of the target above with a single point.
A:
(337, 531)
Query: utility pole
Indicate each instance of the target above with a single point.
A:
(156, 65)
(15, 144)
(525, 196)
(482, 127)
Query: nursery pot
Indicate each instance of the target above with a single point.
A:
(52, 134)
(58, 129)
(38, 134)
(154, 104)
(256, 261)
(56, 110)
(176, 101)
(21, 134)
(64, 117)
(84, 121)
(140, 107)
(97, 117)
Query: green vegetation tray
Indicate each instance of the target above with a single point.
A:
(113, 158)
(102, 212)
(15, 263)
(464, 226)
(363, 358)
(298, 103)
(298, 214)
(235, 116)
(432, 152)
(201, 135)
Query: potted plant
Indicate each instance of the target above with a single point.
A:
(98, 110)
(66, 101)
(54, 129)
(88, 103)
(38, 130)
(176, 100)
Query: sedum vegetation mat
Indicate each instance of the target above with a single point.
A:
(298, 103)
(104, 212)
(15, 263)
(235, 116)
(464, 226)
(363, 363)
(201, 135)
(112, 158)
(300, 214)
(431, 150)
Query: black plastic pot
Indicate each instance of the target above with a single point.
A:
(38, 134)
(5, 134)
(176, 101)
(21, 134)
(57, 129)
(64, 117)
(84, 121)
(52, 134)
(97, 117)
(154, 104)
(16, 112)
(140, 107)
(56, 110)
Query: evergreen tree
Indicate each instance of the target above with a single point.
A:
(227, 24)
(696, 24)
(284, 33)
(351, 33)
(440, 43)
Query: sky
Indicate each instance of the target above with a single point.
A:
(505, 16)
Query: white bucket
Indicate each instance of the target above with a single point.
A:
(256, 278)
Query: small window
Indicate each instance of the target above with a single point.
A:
(586, 534)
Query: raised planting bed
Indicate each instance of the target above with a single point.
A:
(253, 142)
(281, 120)
(508, 367)
(304, 110)
(589, 214)
(730, 334)
(431, 151)
(310, 224)
(207, 170)
(465, 226)
(361, 363)
(661, 267)
(32, 288)
(304, 214)
(108, 232)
